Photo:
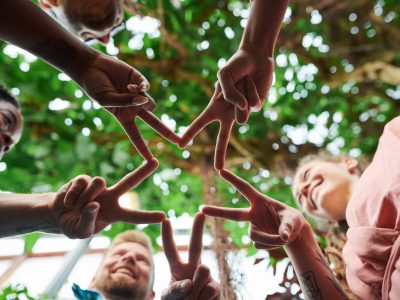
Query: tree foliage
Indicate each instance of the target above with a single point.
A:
(337, 82)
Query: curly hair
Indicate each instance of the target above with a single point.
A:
(94, 14)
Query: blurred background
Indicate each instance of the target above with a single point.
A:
(336, 84)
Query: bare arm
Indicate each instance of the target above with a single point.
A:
(25, 25)
(105, 79)
(23, 213)
(316, 278)
(263, 26)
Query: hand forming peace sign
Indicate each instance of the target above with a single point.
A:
(191, 280)
(273, 224)
(126, 117)
(84, 206)
(220, 110)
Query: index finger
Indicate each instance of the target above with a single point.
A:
(134, 178)
(196, 239)
(198, 124)
(158, 126)
(222, 143)
(136, 138)
(139, 216)
(245, 188)
(171, 253)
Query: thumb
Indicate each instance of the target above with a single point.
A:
(286, 227)
(177, 290)
(87, 222)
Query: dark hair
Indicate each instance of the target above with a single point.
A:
(94, 14)
(6, 96)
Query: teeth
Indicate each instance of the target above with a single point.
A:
(125, 271)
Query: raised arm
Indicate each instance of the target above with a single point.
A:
(81, 208)
(255, 55)
(103, 78)
(274, 224)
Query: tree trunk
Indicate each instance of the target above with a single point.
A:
(221, 244)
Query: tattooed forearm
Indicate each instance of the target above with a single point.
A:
(332, 277)
(57, 52)
(310, 287)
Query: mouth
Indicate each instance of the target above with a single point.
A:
(126, 271)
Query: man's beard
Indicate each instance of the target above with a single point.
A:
(121, 289)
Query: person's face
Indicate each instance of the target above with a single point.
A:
(126, 272)
(323, 189)
(86, 34)
(10, 126)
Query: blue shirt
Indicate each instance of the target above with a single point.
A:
(81, 294)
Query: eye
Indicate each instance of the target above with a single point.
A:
(306, 175)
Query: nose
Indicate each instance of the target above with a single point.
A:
(105, 39)
(129, 258)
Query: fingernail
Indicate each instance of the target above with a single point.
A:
(92, 210)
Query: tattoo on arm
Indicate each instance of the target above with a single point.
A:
(57, 52)
(311, 288)
(332, 278)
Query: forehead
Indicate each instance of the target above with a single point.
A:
(131, 247)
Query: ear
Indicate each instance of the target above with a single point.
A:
(351, 164)
(49, 3)
(152, 295)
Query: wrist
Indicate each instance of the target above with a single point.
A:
(83, 60)
(304, 238)
(47, 213)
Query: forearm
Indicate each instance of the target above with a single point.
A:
(23, 213)
(316, 279)
(25, 25)
(263, 26)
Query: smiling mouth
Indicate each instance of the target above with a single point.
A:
(126, 271)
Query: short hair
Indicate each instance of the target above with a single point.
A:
(6, 96)
(323, 156)
(95, 14)
(135, 236)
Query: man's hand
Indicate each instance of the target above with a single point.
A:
(191, 280)
(126, 117)
(219, 110)
(273, 224)
(84, 206)
(241, 65)
(108, 79)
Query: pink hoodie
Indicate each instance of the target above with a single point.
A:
(372, 251)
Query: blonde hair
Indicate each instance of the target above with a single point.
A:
(132, 236)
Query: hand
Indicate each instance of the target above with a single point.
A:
(126, 117)
(219, 110)
(273, 224)
(107, 79)
(84, 206)
(191, 280)
(245, 64)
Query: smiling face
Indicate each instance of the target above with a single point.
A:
(10, 126)
(323, 188)
(90, 20)
(126, 273)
